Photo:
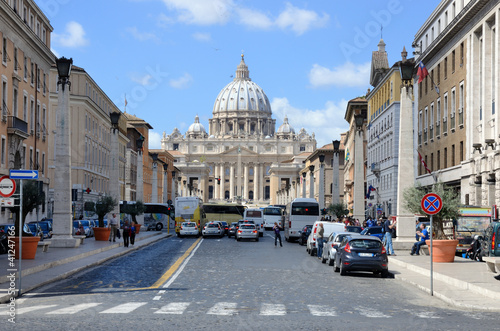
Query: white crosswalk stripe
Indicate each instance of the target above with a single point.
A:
(124, 308)
(223, 308)
(319, 310)
(74, 309)
(24, 310)
(370, 312)
(176, 308)
(270, 309)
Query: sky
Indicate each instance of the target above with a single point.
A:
(170, 58)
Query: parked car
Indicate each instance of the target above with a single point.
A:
(377, 231)
(78, 229)
(36, 230)
(257, 216)
(46, 228)
(328, 227)
(247, 231)
(355, 229)
(87, 228)
(189, 229)
(232, 230)
(26, 230)
(225, 227)
(304, 233)
(330, 245)
(212, 229)
(361, 253)
(492, 240)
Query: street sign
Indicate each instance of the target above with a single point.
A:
(24, 174)
(7, 202)
(431, 204)
(7, 186)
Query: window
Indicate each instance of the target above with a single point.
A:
(25, 107)
(461, 151)
(452, 155)
(453, 109)
(302, 148)
(176, 147)
(461, 104)
(32, 116)
(44, 83)
(14, 101)
(445, 157)
(461, 54)
(43, 163)
(438, 160)
(453, 61)
(438, 117)
(445, 68)
(4, 51)
(26, 68)
(32, 73)
(3, 151)
(4, 100)
(439, 73)
(16, 63)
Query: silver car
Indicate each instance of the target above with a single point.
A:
(212, 229)
(329, 245)
(188, 229)
(247, 231)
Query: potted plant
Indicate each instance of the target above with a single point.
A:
(103, 206)
(443, 248)
(32, 198)
(133, 209)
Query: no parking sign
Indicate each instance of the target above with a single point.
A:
(431, 204)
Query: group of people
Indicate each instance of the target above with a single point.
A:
(128, 231)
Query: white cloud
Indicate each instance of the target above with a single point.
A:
(346, 75)
(141, 36)
(202, 12)
(154, 140)
(181, 82)
(73, 36)
(300, 20)
(327, 123)
(144, 80)
(200, 36)
(253, 18)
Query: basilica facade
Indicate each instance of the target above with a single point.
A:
(242, 157)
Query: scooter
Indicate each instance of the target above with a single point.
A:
(475, 250)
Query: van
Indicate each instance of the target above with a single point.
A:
(256, 215)
(492, 240)
(329, 228)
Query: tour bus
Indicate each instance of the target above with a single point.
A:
(299, 213)
(272, 215)
(224, 212)
(189, 209)
(157, 216)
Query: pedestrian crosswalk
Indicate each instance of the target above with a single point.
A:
(218, 308)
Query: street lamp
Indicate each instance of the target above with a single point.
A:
(115, 117)
(139, 142)
(358, 121)
(336, 146)
(63, 71)
(321, 193)
(165, 182)
(304, 184)
(114, 179)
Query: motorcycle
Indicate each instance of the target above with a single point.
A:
(475, 251)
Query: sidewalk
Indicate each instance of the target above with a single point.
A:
(59, 263)
(463, 283)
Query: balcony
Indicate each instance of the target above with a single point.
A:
(375, 168)
(18, 127)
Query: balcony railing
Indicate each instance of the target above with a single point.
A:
(17, 126)
(452, 121)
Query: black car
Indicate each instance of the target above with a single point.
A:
(362, 253)
(304, 233)
(232, 230)
(225, 226)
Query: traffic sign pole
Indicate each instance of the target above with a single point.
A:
(431, 204)
(432, 283)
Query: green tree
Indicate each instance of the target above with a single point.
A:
(104, 205)
(412, 197)
(32, 198)
(338, 209)
(133, 209)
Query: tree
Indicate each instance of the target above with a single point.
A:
(32, 198)
(451, 204)
(133, 209)
(338, 209)
(104, 205)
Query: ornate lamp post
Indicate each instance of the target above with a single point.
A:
(184, 193)
(63, 227)
(154, 190)
(304, 184)
(359, 173)
(335, 189)
(321, 193)
(114, 181)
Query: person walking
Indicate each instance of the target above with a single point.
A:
(319, 239)
(113, 224)
(277, 234)
(424, 235)
(388, 236)
(132, 233)
(126, 234)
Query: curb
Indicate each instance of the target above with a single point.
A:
(6, 298)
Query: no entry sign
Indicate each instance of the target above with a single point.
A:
(431, 204)
(7, 186)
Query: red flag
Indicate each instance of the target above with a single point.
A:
(422, 72)
(423, 163)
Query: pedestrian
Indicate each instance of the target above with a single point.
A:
(388, 236)
(113, 225)
(132, 233)
(126, 234)
(424, 235)
(319, 239)
(277, 234)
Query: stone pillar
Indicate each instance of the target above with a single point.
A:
(256, 182)
(154, 190)
(311, 183)
(406, 170)
(222, 181)
(304, 184)
(335, 178)
(239, 175)
(321, 193)
(262, 181)
(359, 176)
(245, 181)
(165, 183)
(231, 181)
(140, 184)
(216, 182)
(62, 217)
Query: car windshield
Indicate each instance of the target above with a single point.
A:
(354, 229)
(375, 230)
(365, 243)
(340, 237)
(248, 226)
(189, 225)
(254, 213)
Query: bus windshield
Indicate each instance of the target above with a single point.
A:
(272, 211)
(305, 208)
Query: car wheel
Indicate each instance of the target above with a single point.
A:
(159, 227)
(385, 274)
(238, 239)
(331, 261)
(180, 236)
(335, 267)
(342, 269)
(257, 239)
(323, 260)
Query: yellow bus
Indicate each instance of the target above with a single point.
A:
(224, 212)
(188, 209)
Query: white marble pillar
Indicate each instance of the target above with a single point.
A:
(231, 181)
(256, 182)
(245, 181)
(335, 177)
(262, 181)
(216, 182)
(239, 175)
(359, 177)
(222, 181)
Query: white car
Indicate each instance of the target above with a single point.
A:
(212, 229)
(328, 228)
(188, 229)
(247, 231)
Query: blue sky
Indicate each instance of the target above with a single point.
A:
(171, 58)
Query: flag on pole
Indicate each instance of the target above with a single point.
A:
(423, 163)
(347, 154)
(126, 101)
(369, 191)
(422, 72)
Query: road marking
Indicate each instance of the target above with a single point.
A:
(74, 309)
(426, 314)
(176, 308)
(25, 310)
(124, 308)
(158, 297)
(223, 308)
(270, 309)
(319, 310)
(369, 312)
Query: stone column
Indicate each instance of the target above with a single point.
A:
(222, 181)
(140, 184)
(321, 189)
(239, 175)
(335, 178)
(154, 190)
(311, 183)
(62, 218)
(216, 182)
(245, 181)
(304, 184)
(165, 183)
(262, 181)
(231, 181)
(256, 182)
(359, 176)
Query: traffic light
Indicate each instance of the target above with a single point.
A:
(324, 211)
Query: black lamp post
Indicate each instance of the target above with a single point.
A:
(63, 71)
(165, 167)
(139, 142)
(154, 156)
(358, 121)
(311, 169)
(336, 146)
(406, 72)
(321, 158)
(173, 174)
(115, 117)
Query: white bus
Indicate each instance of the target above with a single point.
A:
(299, 213)
(188, 209)
(272, 215)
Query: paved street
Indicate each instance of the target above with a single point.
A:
(228, 285)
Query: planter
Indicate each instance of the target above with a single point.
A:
(102, 234)
(137, 228)
(443, 250)
(29, 247)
